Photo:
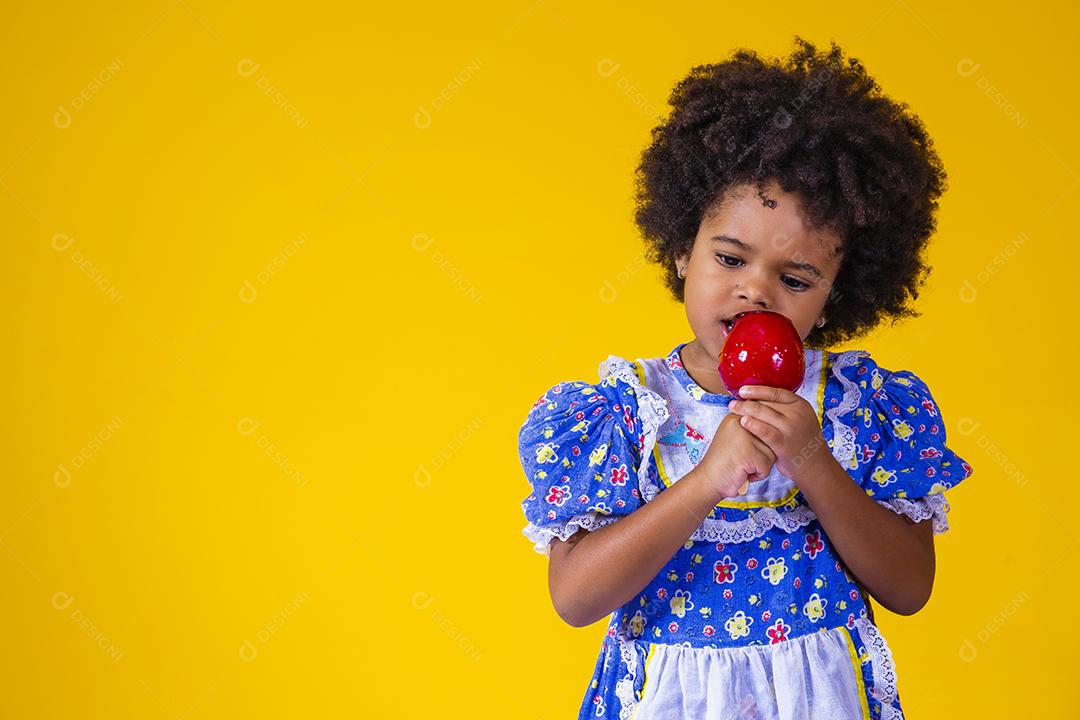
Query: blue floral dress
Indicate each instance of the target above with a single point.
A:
(756, 615)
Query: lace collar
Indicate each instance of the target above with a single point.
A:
(674, 363)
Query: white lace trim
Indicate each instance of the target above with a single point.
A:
(652, 409)
(542, 536)
(750, 528)
(843, 447)
(761, 521)
(884, 669)
(933, 506)
(754, 526)
(624, 688)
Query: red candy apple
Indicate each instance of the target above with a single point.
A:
(762, 347)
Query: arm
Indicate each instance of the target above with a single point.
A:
(892, 556)
(593, 573)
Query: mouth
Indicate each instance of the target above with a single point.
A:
(729, 322)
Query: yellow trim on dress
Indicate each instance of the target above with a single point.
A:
(645, 679)
(858, 673)
(791, 494)
(821, 384)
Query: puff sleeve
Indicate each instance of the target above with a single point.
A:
(581, 447)
(888, 433)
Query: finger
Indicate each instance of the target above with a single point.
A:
(744, 488)
(765, 392)
(762, 429)
(760, 410)
(762, 447)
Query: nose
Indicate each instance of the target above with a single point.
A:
(752, 292)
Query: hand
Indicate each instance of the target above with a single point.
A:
(734, 459)
(787, 424)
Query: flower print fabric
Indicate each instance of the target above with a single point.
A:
(756, 615)
(888, 434)
(581, 446)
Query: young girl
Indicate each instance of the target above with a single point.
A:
(736, 544)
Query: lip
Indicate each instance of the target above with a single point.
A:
(728, 323)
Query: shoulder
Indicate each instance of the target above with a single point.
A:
(649, 405)
(618, 398)
(851, 365)
(881, 417)
(851, 371)
(855, 377)
(614, 368)
(570, 397)
(577, 407)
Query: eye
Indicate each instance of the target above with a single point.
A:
(795, 284)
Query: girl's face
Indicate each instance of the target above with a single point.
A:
(755, 251)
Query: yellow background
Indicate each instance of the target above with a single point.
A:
(282, 284)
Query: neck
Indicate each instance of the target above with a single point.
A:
(701, 368)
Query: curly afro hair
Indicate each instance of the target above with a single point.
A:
(862, 164)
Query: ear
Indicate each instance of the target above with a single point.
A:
(681, 261)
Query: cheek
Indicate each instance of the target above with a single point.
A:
(699, 301)
(706, 286)
(805, 325)
(693, 304)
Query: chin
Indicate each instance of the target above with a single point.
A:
(712, 349)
